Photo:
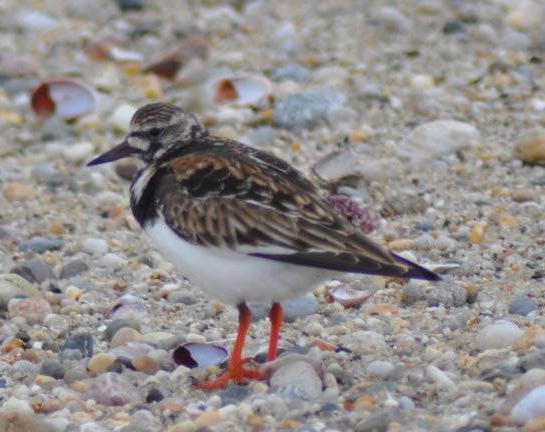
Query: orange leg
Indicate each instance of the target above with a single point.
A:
(276, 315)
(235, 370)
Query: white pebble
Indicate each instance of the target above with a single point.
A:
(112, 261)
(380, 369)
(501, 334)
(79, 152)
(530, 406)
(445, 243)
(440, 378)
(95, 246)
(121, 117)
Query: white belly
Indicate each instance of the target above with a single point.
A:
(233, 277)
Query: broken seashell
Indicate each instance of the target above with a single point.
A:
(441, 267)
(342, 293)
(64, 98)
(241, 90)
(194, 354)
(167, 65)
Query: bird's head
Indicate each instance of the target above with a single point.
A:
(155, 129)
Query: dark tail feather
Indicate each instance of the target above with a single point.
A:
(416, 271)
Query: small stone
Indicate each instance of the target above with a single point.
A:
(131, 5)
(82, 342)
(41, 244)
(145, 364)
(380, 369)
(117, 324)
(299, 307)
(440, 138)
(501, 334)
(530, 147)
(77, 373)
(393, 20)
(113, 389)
(299, 374)
(154, 396)
(13, 285)
(404, 204)
(125, 335)
(424, 242)
(522, 306)
(112, 261)
(45, 173)
(52, 368)
(447, 292)
(530, 406)
(121, 118)
(378, 422)
(74, 268)
(453, 27)
(207, 419)
(33, 310)
(23, 369)
(532, 360)
(79, 152)
(95, 246)
(100, 363)
(233, 395)
(305, 110)
(33, 270)
(16, 191)
(126, 168)
(18, 415)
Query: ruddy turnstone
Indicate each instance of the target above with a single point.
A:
(241, 223)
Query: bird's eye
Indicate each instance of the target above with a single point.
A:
(154, 132)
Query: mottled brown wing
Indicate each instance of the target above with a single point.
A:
(254, 203)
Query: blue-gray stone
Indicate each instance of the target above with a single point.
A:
(82, 342)
(293, 308)
(41, 244)
(52, 368)
(131, 5)
(74, 268)
(522, 306)
(234, 394)
(33, 270)
(306, 109)
(291, 71)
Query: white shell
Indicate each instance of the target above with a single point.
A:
(68, 99)
(246, 89)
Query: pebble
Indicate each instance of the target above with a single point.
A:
(440, 138)
(530, 146)
(34, 21)
(17, 191)
(45, 173)
(41, 244)
(447, 292)
(100, 363)
(131, 5)
(292, 71)
(74, 268)
(380, 369)
(522, 306)
(33, 310)
(501, 334)
(95, 246)
(413, 292)
(293, 308)
(299, 374)
(530, 407)
(121, 118)
(112, 261)
(52, 368)
(379, 422)
(154, 395)
(113, 389)
(125, 335)
(305, 110)
(77, 373)
(23, 369)
(393, 20)
(129, 307)
(82, 342)
(79, 152)
(118, 324)
(145, 364)
(13, 285)
(33, 270)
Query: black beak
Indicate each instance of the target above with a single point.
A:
(120, 151)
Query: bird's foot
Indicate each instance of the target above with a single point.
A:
(237, 373)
